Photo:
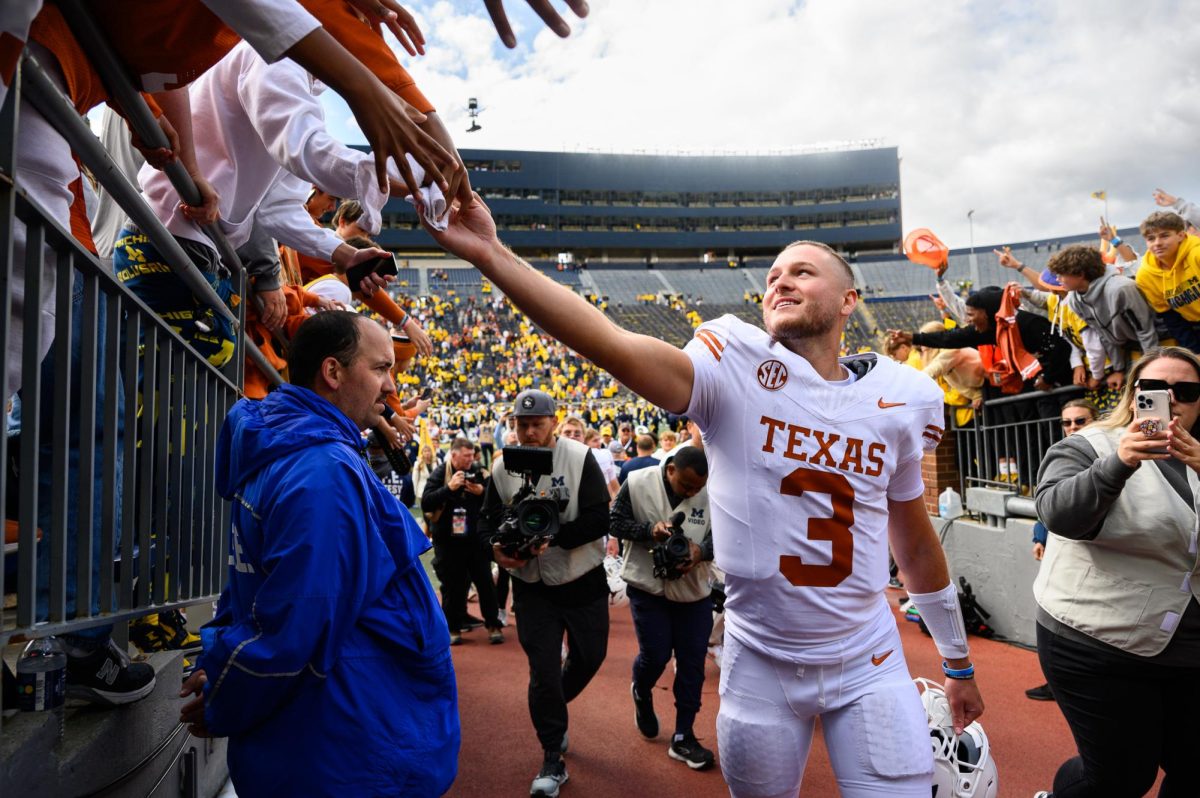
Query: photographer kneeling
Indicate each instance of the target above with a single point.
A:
(663, 515)
(1118, 617)
(560, 584)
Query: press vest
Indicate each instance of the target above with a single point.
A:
(648, 498)
(556, 566)
(1130, 585)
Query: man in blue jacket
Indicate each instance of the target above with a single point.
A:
(328, 663)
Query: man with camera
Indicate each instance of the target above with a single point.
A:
(559, 583)
(663, 515)
(451, 503)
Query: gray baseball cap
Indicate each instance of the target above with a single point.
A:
(534, 403)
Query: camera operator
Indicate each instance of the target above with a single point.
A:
(451, 503)
(672, 612)
(561, 587)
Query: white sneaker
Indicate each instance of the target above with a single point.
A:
(552, 776)
(503, 615)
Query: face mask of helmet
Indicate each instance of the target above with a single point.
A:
(962, 766)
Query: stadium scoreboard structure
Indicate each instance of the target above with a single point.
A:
(676, 207)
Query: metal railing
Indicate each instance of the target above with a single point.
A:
(996, 452)
(112, 477)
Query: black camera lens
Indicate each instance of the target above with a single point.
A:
(536, 519)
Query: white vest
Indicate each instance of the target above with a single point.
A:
(556, 566)
(648, 498)
(1129, 586)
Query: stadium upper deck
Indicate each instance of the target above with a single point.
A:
(676, 206)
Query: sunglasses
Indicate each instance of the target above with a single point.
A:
(1186, 392)
(1076, 422)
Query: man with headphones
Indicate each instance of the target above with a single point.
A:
(559, 587)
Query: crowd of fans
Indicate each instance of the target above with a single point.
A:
(268, 173)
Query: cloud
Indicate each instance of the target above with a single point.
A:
(1018, 111)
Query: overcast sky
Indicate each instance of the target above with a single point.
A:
(1016, 110)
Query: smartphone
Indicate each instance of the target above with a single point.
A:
(356, 274)
(1153, 405)
(427, 393)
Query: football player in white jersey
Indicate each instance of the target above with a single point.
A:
(815, 466)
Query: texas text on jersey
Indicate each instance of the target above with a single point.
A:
(801, 471)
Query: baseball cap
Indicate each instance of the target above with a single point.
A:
(534, 403)
(1050, 278)
(615, 447)
(642, 429)
(606, 430)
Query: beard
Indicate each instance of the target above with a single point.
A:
(814, 320)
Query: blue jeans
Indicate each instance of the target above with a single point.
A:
(664, 627)
(100, 559)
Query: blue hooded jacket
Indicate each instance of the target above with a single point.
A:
(328, 662)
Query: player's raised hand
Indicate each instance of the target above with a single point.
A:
(554, 22)
(1164, 199)
(471, 234)
(900, 337)
(966, 703)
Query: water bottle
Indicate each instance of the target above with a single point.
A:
(459, 525)
(950, 504)
(42, 678)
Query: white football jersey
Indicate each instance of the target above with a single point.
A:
(800, 474)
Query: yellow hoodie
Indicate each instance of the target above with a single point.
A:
(1177, 288)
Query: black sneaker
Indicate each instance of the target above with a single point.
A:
(106, 676)
(643, 713)
(164, 631)
(1043, 693)
(552, 776)
(691, 753)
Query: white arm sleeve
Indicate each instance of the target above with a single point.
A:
(282, 215)
(290, 122)
(943, 617)
(270, 26)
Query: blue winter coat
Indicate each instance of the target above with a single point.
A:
(328, 663)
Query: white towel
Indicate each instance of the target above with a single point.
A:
(437, 210)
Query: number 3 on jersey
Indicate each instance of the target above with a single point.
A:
(835, 529)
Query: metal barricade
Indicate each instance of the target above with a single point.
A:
(111, 477)
(997, 452)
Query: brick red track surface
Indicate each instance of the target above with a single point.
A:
(500, 753)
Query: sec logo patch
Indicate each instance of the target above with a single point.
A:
(772, 375)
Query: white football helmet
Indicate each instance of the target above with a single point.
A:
(962, 766)
(616, 585)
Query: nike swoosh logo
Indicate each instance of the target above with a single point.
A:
(885, 405)
(877, 661)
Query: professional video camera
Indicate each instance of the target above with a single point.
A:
(673, 553)
(530, 520)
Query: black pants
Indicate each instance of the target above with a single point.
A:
(1128, 718)
(553, 683)
(486, 450)
(664, 627)
(459, 563)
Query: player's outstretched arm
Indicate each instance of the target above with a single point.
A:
(921, 560)
(651, 368)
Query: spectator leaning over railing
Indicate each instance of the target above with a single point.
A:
(1169, 276)
(959, 373)
(258, 128)
(1110, 304)
(328, 662)
(1053, 352)
(1118, 619)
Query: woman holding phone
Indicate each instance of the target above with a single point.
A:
(1118, 618)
